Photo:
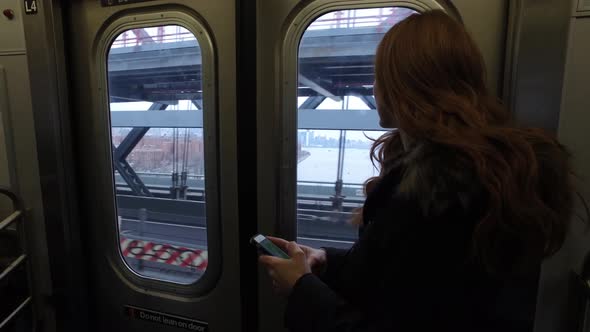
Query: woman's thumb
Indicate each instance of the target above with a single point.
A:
(293, 249)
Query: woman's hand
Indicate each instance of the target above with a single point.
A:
(286, 272)
(316, 258)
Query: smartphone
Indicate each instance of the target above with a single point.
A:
(268, 247)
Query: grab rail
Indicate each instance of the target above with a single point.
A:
(580, 297)
(16, 201)
(10, 219)
(15, 312)
(17, 215)
(16, 263)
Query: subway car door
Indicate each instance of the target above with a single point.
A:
(317, 114)
(153, 109)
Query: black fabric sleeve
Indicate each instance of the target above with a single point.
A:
(314, 307)
(414, 280)
(335, 258)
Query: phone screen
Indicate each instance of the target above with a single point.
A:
(270, 247)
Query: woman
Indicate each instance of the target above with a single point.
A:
(466, 206)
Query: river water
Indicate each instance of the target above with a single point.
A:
(322, 165)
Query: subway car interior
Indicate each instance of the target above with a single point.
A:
(144, 142)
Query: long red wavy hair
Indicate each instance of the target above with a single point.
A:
(431, 78)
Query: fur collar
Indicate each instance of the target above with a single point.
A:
(436, 177)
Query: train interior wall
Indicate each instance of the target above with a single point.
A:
(19, 170)
(561, 301)
(560, 103)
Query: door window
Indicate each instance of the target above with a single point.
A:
(337, 120)
(156, 107)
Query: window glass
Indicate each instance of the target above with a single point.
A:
(155, 91)
(338, 120)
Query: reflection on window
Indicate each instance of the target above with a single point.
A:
(155, 91)
(337, 120)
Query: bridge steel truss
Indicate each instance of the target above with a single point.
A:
(333, 64)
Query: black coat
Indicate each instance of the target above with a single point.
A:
(412, 268)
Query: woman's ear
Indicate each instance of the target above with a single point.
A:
(357, 217)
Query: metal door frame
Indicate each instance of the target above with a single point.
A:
(109, 32)
(59, 153)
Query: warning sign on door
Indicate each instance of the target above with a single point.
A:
(166, 319)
